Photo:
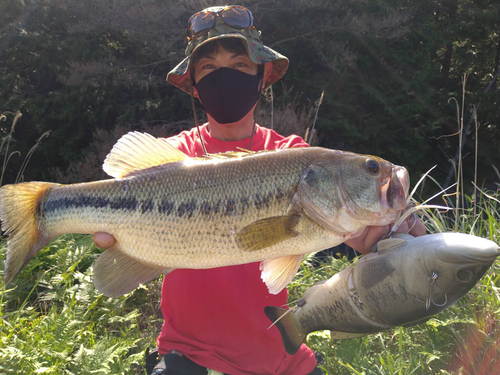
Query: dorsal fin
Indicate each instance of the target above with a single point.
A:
(313, 289)
(136, 151)
(390, 243)
(231, 154)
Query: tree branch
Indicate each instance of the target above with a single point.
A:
(302, 35)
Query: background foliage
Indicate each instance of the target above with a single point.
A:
(85, 72)
(88, 70)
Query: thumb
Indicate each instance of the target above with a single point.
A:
(103, 240)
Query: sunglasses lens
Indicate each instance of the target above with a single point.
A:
(237, 17)
(201, 23)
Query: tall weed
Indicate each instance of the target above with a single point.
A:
(8, 154)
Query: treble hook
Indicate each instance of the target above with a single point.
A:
(432, 278)
(429, 300)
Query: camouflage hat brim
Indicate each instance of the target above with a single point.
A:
(258, 53)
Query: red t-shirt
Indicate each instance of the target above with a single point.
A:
(216, 316)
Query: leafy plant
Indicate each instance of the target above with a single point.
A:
(53, 321)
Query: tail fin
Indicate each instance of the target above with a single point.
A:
(20, 221)
(292, 337)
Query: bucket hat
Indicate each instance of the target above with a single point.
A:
(251, 39)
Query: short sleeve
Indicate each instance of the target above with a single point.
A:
(292, 141)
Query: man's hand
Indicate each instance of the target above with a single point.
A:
(103, 240)
(370, 235)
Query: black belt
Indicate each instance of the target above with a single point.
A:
(176, 363)
(172, 363)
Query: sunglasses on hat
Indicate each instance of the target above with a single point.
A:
(234, 16)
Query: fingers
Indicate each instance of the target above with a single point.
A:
(364, 242)
(103, 240)
(412, 225)
(418, 229)
(367, 238)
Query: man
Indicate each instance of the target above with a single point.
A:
(214, 318)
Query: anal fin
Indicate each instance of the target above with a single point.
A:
(277, 273)
(312, 290)
(417, 322)
(336, 335)
(116, 273)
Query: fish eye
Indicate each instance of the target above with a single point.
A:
(465, 275)
(372, 166)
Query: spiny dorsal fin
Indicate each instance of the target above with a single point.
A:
(389, 244)
(231, 154)
(136, 151)
(116, 273)
(403, 236)
(277, 273)
(267, 232)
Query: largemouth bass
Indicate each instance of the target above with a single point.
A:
(408, 280)
(169, 211)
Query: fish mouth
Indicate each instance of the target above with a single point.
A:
(395, 189)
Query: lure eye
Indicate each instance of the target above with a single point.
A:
(465, 275)
(372, 166)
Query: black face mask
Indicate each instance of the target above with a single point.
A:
(228, 94)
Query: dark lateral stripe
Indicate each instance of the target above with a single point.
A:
(280, 194)
(186, 208)
(165, 206)
(123, 203)
(208, 208)
(245, 203)
(230, 207)
(261, 201)
(147, 205)
(92, 202)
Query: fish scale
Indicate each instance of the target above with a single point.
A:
(168, 227)
(168, 211)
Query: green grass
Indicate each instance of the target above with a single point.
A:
(53, 321)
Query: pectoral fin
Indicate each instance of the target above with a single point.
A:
(277, 273)
(267, 232)
(116, 273)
